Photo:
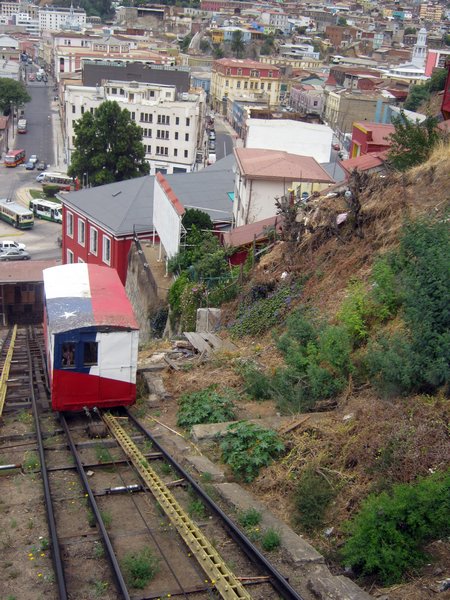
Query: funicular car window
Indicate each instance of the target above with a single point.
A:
(90, 353)
(68, 355)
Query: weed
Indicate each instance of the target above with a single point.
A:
(206, 406)
(249, 518)
(13, 524)
(44, 544)
(355, 311)
(140, 567)
(30, 462)
(256, 382)
(11, 597)
(30, 524)
(206, 477)
(25, 417)
(197, 509)
(165, 468)
(246, 447)
(103, 454)
(270, 540)
(99, 551)
(100, 587)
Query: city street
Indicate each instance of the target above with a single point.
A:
(41, 241)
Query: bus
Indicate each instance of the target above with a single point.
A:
(46, 209)
(22, 126)
(15, 214)
(14, 158)
(64, 182)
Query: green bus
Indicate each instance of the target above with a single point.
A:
(15, 214)
(45, 209)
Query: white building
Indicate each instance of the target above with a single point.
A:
(276, 19)
(54, 18)
(413, 71)
(298, 51)
(295, 137)
(24, 19)
(172, 124)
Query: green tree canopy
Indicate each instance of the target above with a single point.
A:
(218, 51)
(412, 143)
(268, 45)
(237, 43)
(108, 146)
(194, 216)
(12, 93)
(410, 31)
(421, 92)
(342, 22)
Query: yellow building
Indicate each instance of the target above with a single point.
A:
(239, 79)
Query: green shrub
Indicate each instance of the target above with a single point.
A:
(388, 534)
(312, 496)
(256, 382)
(206, 406)
(270, 540)
(249, 518)
(191, 299)
(50, 190)
(390, 365)
(247, 447)
(385, 294)
(140, 567)
(355, 312)
(175, 292)
(225, 291)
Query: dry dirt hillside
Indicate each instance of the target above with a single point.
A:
(357, 441)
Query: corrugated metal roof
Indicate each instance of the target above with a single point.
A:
(257, 163)
(25, 271)
(117, 207)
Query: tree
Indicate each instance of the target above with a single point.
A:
(108, 146)
(184, 44)
(412, 143)
(342, 22)
(12, 93)
(205, 45)
(410, 31)
(447, 39)
(218, 51)
(194, 216)
(417, 94)
(268, 45)
(237, 43)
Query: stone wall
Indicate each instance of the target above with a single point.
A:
(142, 291)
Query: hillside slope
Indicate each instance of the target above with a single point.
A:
(355, 440)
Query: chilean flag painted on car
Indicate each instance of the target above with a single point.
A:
(91, 337)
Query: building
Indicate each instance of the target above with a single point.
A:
(99, 223)
(430, 11)
(262, 176)
(293, 137)
(234, 79)
(171, 123)
(300, 51)
(413, 71)
(54, 18)
(306, 98)
(370, 138)
(343, 108)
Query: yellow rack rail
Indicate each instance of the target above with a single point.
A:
(209, 559)
(6, 368)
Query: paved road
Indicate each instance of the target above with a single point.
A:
(41, 241)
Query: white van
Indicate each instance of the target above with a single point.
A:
(8, 244)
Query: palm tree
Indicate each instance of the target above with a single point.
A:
(237, 43)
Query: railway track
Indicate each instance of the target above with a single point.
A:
(116, 501)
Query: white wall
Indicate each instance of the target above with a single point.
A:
(295, 137)
(261, 194)
(166, 220)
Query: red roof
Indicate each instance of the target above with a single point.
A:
(246, 234)
(257, 163)
(26, 271)
(362, 163)
(377, 133)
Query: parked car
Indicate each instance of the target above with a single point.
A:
(336, 147)
(212, 135)
(14, 254)
(40, 177)
(29, 166)
(212, 145)
(41, 166)
(31, 77)
(7, 244)
(33, 158)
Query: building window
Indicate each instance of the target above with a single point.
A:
(133, 116)
(106, 250)
(269, 86)
(185, 154)
(186, 137)
(176, 135)
(245, 85)
(69, 257)
(239, 72)
(254, 73)
(175, 152)
(188, 121)
(227, 71)
(81, 232)
(251, 85)
(238, 85)
(82, 110)
(262, 85)
(114, 91)
(69, 224)
(177, 120)
(93, 241)
(270, 74)
(73, 109)
(227, 83)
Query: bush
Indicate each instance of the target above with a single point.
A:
(355, 312)
(249, 518)
(385, 293)
(256, 383)
(390, 365)
(270, 540)
(205, 406)
(175, 293)
(50, 190)
(388, 534)
(312, 496)
(247, 447)
(140, 567)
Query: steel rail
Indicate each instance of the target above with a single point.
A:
(276, 578)
(109, 548)
(56, 553)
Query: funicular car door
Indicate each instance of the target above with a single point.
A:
(116, 368)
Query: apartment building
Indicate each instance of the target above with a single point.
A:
(343, 108)
(238, 79)
(430, 11)
(55, 18)
(171, 123)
